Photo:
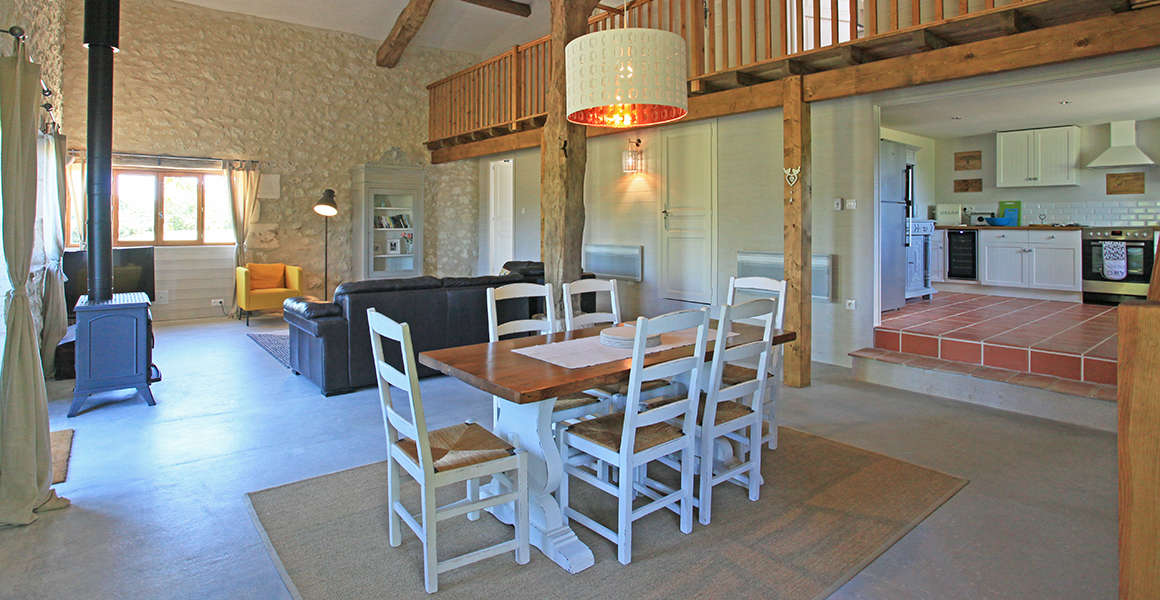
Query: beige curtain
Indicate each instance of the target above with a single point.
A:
(25, 454)
(52, 209)
(242, 179)
(77, 200)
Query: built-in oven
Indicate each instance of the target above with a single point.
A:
(1117, 263)
(962, 254)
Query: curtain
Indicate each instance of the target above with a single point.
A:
(242, 182)
(53, 209)
(77, 200)
(25, 454)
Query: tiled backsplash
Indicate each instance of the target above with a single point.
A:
(1103, 213)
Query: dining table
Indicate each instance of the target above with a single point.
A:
(526, 389)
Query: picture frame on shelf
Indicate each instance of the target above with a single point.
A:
(393, 247)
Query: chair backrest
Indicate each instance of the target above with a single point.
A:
(636, 418)
(761, 284)
(407, 380)
(584, 286)
(762, 309)
(520, 290)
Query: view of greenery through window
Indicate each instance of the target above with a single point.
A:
(159, 207)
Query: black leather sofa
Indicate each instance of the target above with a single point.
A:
(330, 342)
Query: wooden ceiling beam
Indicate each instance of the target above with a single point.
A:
(925, 41)
(518, 9)
(406, 26)
(1012, 22)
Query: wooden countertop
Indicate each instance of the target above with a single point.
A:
(1022, 227)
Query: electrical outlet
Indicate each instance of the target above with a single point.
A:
(837, 204)
(851, 204)
(217, 302)
(162, 297)
(851, 305)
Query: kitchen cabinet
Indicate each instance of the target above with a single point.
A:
(1043, 260)
(387, 221)
(1037, 157)
(938, 256)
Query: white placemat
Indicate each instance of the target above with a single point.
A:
(585, 352)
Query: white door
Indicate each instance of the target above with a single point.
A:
(1055, 148)
(502, 229)
(1015, 163)
(1055, 268)
(688, 200)
(1003, 264)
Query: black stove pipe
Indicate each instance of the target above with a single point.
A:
(102, 33)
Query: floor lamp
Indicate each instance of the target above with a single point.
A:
(327, 208)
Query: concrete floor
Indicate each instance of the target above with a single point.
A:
(157, 492)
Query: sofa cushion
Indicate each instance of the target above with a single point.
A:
(264, 277)
(385, 285)
(527, 268)
(481, 281)
(310, 307)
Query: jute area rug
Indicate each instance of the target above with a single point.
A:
(826, 511)
(60, 443)
(277, 344)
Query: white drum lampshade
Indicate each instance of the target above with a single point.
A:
(627, 78)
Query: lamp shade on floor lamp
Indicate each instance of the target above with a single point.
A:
(327, 208)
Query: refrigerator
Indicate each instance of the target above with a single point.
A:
(895, 208)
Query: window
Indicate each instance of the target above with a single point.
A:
(165, 207)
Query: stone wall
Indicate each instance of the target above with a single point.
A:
(308, 103)
(43, 23)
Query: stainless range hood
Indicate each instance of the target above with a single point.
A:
(1123, 151)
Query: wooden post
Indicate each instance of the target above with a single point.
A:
(563, 156)
(798, 244)
(1139, 449)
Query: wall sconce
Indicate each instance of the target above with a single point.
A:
(633, 159)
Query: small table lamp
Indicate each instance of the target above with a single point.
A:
(327, 208)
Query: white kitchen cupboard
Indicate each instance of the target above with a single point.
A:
(387, 221)
(1043, 260)
(1037, 157)
(938, 256)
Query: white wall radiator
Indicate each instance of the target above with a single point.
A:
(772, 265)
(617, 262)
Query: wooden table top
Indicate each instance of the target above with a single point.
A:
(497, 370)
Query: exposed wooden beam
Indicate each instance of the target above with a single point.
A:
(797, 232)
(563, 157)
(853, 55)
(518, 9)
(1012, 22)
(611, 9)
(1139, 449)
(925, 41)
(1113, 34)
(406, 26)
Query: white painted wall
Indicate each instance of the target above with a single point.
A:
(193, 275)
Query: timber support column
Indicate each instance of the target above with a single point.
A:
(563, 157)
(798, 237)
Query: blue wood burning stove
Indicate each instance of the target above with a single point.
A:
(113, 347)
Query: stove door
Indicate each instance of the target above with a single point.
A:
(1138, 262)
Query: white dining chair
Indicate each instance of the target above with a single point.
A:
(435, 459)
(774, 288)
(631, 439)
(725, 414)
(566, 407)
(612, 394)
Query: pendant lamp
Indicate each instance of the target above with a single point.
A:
(626, 78)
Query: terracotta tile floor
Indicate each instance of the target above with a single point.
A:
(1098, 391)
(1045, 337)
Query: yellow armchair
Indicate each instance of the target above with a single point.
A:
(264, 287)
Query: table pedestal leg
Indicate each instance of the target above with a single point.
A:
(532, 425)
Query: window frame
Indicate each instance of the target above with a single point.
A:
(158, 209)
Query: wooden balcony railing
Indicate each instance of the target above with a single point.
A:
(724, 37)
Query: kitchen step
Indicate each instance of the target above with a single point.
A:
(1076, 402)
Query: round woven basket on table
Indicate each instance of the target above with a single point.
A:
(625, 336)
